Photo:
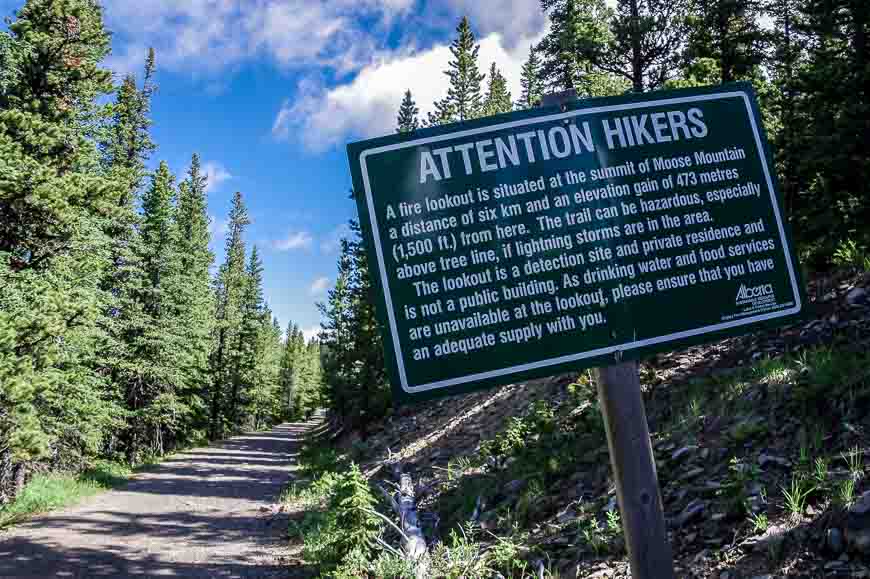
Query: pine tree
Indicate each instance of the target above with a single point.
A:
(531, 82)
(261, 402)
(353, 357)
(578, 33)
(789, 47)
(46, 114)
(230, 288)
(52, 250)
(498, 98)
(192, 286)
(594, 49)
(464, 99)
(314, 391)
(157, 212)
(289, 358)
(153, 381)
(834, 125)
(249, 335)
(337, 339)
(728, 32)
(646, 37)
(407, 121)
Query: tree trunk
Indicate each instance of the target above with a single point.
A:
(404, 503)
(789, 181)
(636, 54)
(20, 478)
(858, 8)
(726, 51)
(216, 385)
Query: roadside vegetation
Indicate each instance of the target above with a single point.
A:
(48, 491)
(759, 466)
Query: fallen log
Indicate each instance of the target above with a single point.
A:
(404, 504)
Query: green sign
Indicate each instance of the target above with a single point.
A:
(536, 242)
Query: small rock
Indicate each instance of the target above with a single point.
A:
(858, 525)
(515, 486)
(834, 541)
(683, 451)
(765, 459)
(692, 511)
(773, 541)
(725, 575)
(692, 473)
(856, 296)
(567, 515)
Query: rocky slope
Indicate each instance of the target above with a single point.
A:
(760, 443)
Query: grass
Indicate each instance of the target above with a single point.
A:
(796, 496)
(46, 492)
(855, 461)
(760, 522)
(846, 493)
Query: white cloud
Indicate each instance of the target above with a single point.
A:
(331, 243)
(294, 240)
(311, 333)
(319, 286)
(515, 20)
(210, 35)
(367, 105)
(216, 174)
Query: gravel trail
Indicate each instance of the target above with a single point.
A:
(202, 513)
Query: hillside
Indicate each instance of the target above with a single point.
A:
(760, 443)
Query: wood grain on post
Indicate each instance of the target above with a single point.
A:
(634, 471)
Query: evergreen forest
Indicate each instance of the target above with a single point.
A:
(120, 337)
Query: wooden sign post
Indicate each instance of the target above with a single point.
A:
(634, 470)
(631, 456)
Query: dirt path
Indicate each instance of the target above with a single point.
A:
(197, 515)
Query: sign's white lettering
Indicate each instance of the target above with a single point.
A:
(559, 142)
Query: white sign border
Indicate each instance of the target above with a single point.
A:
(591, 353)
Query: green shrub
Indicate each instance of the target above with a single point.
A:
(390, 566)
(741, 474)
(850, 254)
(462, 556)
(348, 530)
(314, 460)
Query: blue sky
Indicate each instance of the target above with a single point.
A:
(269, 92)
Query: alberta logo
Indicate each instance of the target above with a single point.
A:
(754, 293)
